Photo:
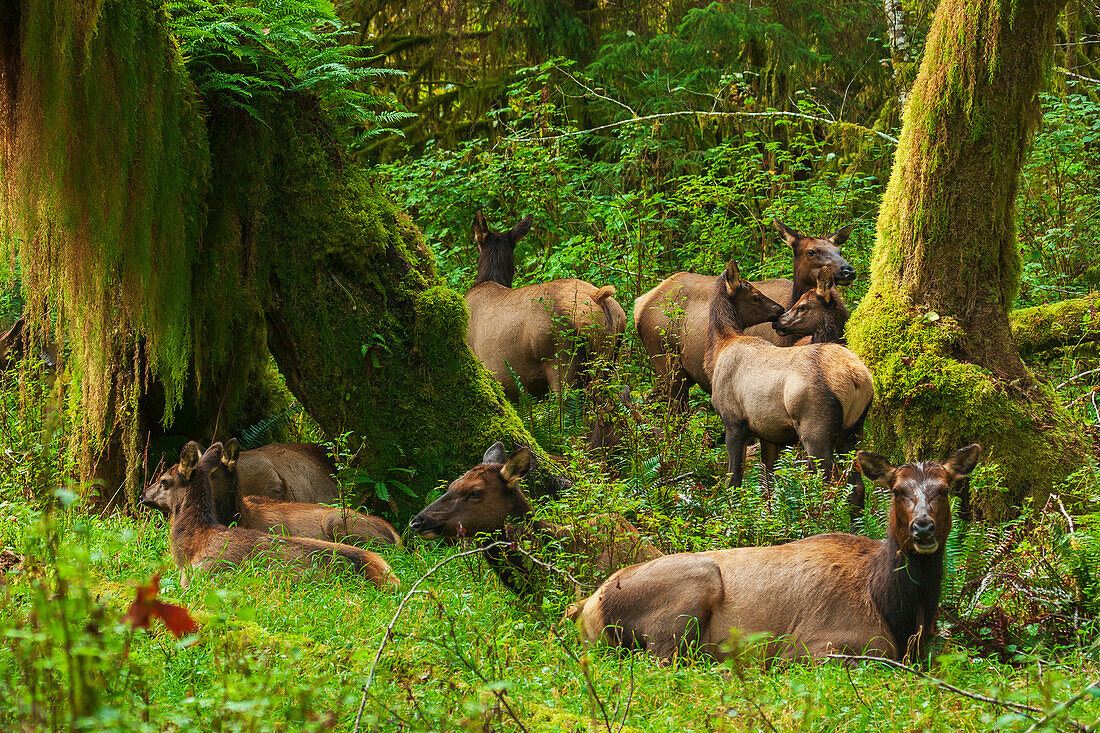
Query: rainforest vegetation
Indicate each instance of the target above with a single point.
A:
(258, 219)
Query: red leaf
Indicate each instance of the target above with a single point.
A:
(146, 607)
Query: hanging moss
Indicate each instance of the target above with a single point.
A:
(934, 327)
(105, 167)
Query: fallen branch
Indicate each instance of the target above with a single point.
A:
(1028, 711)
(696, 113)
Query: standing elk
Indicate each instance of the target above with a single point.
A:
(672, 318)
(200, 543)
(544, 335)
(487, 501)
(817, 394)
(262, 513)
(831, 593)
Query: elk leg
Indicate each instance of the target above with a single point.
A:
(769, 452)
(735, 449)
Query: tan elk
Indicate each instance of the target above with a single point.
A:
(832, 593)
(545, 334)
(200, 543)
(487, 502)
(817, 395)
(295, 519)
(672, 318)
(819, 316)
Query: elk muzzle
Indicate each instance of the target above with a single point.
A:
(923, 532)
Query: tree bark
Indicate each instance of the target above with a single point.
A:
(1056, 325)
(934, 327)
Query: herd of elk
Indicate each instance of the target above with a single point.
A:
(831, 593)
(487, 502)
(543, 335)
(770, 354)
(672, 319)
(233, 506)
(201, 543)
(818, 394)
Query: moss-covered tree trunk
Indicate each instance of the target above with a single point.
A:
(934, 327)
(174, 241)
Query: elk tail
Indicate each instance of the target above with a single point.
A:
(613, 313)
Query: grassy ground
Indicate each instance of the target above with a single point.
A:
(287, 653)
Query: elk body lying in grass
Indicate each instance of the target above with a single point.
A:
(200, 543)
(817, 395)
(544, 335)
(672, 318)
(487, 501)
(819, 316)
(832, 593)
(262, 513)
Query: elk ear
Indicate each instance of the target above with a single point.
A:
(211, 458)
(495, 454)
(825, 283)
(519, 231)
(790, 236)
(481, 228)
(732, 276)
(517, 466)
(963, 462)
(840, 236)
(189, 458)
(876, 468)
(230, 453)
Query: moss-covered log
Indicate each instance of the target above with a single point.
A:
(934, 328)
(174, 239)
(1056, 325)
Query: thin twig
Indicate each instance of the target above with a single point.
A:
(596, 94)
(1072, 75)
(1028, 711)
(687, 113)
(389, 627)
(1075, 378)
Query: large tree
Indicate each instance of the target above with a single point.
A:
(934, 327)
(174, 238)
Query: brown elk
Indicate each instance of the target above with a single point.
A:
(611, 425)
(672, 318)
(831, 593)
(819, 316)
(262, 513)
(487, 501)
(544, 334)
(817, 394)
(200, 543)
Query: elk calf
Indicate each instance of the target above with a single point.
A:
(295, 519)
(819, 316)
(488, 501)
(200, 543)
(832, 593)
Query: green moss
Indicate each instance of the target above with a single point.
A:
(928, 403)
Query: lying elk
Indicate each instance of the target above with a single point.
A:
(200, 543)
(832, 593)
(544, 335)
(819, 316)
(487, 501)
(262, 513)
(298, 472)
(816, 394)
(672, 318)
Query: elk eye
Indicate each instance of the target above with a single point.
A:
(812, 253)
(800, 309)
(475, 494)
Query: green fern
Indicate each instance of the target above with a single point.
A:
(283, 45)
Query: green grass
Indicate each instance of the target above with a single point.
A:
(280, 652)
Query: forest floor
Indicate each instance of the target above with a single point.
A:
(277, 652)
